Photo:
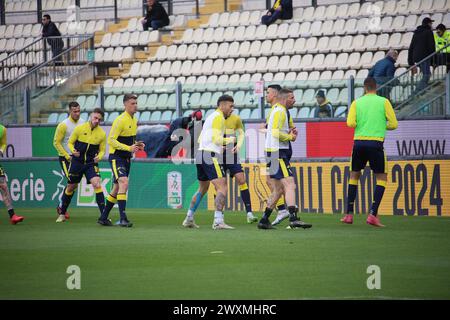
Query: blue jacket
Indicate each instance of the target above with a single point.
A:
(383, 70)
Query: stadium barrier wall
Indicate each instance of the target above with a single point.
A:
(322, 139)
(415, 187)
(40, 183)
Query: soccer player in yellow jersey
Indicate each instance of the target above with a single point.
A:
(13, 218)
(122, 146)
(279, 152)
(209, 162)
(371, 115)
(61, 138)
(233, 128)
(87, 145)
(272, 93)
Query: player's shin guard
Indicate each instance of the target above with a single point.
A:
(351, 195)
(65, 200)
(110, 202)
(100, 199)
(122, 202)
(245, 196)
(377, 196)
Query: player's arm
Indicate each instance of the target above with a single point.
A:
(102, 148)
(72, 139)
(351, 118)
(3, 142)
(217, 128)
(392, 122)
(240, 137)
(114, 134)
(278, 120)
(58, 138)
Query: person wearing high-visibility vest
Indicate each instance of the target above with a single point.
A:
(442, 39)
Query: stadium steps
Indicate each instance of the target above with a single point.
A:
(212, 6)
(424, 99)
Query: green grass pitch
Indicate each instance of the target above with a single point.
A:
(159, 259)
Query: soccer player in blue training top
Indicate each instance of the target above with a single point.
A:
(122, 144)
(61, 138)
(278, 150)
(13, 218)
(208, 161)
(370, 115)
(87, 145)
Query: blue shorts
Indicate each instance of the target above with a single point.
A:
(120, 166)
(78, 169)
(278, 165)
(208, 166)
(368, 151)
(65, 164)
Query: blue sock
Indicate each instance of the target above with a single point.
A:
(122, 202)
(245, 196)
(351, 196)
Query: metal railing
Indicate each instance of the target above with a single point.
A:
(412, 90)
(36, 53)
(16, 95)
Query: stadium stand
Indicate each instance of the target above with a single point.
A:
(226, 52)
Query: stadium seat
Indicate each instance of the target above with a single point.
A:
(62, 117)
(155, 116)
(340, 112)
(245, 114)
(112, 116)
(303, 113)
(84, 116)
(166, 116)
(52, 118)
(110, 103)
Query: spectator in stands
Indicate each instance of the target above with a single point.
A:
(383, 71)
(442, 39)
(324, 108)
(156, 17)
(49, 29)
(422, 45)
(282, 9)
(172, 139)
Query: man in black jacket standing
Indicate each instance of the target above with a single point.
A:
(422, 45)
(156, 16)
(49, 29)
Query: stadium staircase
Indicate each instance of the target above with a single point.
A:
(411, 101)
(68, 70)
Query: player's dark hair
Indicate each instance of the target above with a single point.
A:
(47, 16)
(370, 84)
(276, 87)
(129, 96)
(73, 104)
(99, 111)
(223, 98)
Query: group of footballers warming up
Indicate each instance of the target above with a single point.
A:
(81, 145)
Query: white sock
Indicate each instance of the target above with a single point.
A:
(190, 214)
(218, 217)
(250, 214)
(282, 213)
